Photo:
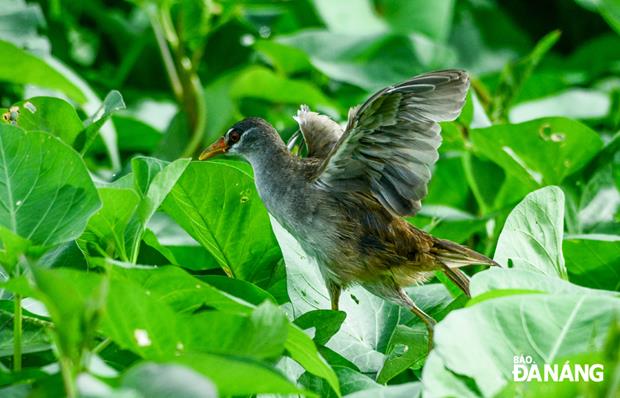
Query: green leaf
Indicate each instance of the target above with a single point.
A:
(107, 227)
(34, 336)
(360, 59)
(180, 290)
(259, 335)
(166, 380)
(217, 204)
(432, 19)
(326, 323)
(49, 114)
(285, 59)
(75, 302)
(352, 16)
(370, 320)
(13, 247)
(135, 135)
(302, 349)
(441, 382)
(119, 226)
(351, 381)
(524, 149)
(407, 349)
(593, 260)
(238, 288)
(20, 23)
(113, 102)
(527, 281)
(260, 82)
(46, 193)
(140, 322)
(221, 107)
(237, 376)
(409, 390)
(545, 327)
(26, 68)
(181, 249)
(532, 235)
(609, 10)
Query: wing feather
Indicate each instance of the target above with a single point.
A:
(391, 140)
(320, 132)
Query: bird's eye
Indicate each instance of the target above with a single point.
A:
(234, 136)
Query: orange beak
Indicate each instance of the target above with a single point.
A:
(219, 146)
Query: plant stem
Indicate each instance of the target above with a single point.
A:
(182, 73)
(17, 333)
(201, 116)
(67, 375)
(101, 346)
(471, 178)
(173, 75)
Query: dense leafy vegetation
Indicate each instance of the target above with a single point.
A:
(129, 270)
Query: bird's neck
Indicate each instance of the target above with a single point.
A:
(275, 175)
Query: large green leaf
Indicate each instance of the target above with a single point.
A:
(359, 59)
(217, 204)
(167, 380)
(546, 327)
(49, 114)
(441, 382)
(237, 376)
(142, 322)
(25, 68)
(118, 227)
(532, 235)
(301, 348)
(525, 150)
(405, 390)
(46, 194)
(353, 16)
(407, 349)
(433, 19)
(260, 82)
(261, 335)
(34, 337)
(500, 281)
(107, 227)
(20, 23)
(593, 260)
(326, 323)
(180, 290)
(75, 302)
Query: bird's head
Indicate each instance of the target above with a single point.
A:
(243, 138)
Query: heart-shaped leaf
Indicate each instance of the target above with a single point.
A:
(532, 234)
(46, 194)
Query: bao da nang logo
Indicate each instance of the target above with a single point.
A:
(526, 370)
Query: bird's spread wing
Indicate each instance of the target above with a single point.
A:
(320, 132)
(391, 140)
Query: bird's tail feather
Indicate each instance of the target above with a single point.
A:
(459, 278)
(454, 255)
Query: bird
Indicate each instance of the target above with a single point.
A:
(344, 202)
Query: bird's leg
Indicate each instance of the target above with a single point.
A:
(428, 321)
(388, 289)
(417, 311)
(334, 293)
